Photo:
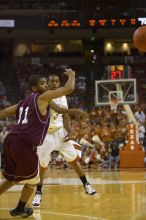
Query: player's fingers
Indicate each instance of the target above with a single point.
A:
(66, 138)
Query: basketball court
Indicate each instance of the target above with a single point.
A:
(120, 195)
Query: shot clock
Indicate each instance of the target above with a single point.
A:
(118, 72)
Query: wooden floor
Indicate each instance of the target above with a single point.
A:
(121, 195)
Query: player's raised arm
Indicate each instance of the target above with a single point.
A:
(8, 112)
(65, 90)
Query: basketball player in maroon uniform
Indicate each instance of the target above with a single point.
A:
(20, 158)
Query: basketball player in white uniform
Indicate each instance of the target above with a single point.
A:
(57, 139)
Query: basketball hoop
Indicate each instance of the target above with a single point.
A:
(114, 104)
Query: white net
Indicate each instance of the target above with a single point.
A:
(114, 104)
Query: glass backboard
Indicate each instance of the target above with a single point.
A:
(123, 89)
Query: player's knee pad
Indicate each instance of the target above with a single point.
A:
(32, 186)
(33, 181)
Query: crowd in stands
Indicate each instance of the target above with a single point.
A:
(103, 134)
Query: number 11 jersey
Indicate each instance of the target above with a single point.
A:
(31, 125)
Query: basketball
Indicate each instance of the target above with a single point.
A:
(139, 38)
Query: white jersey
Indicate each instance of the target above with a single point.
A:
(56, 120)
(71, 150)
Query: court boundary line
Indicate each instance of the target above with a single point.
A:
(59, 213)
(73, 215)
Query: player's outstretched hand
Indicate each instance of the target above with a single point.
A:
(69, 72)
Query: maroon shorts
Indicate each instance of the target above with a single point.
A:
(20, 159)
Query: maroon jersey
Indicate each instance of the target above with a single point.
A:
(31, 125)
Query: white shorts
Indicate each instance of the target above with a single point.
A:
(54, 142)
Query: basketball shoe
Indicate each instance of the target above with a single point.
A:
(24, 213)
(89, 190)
(37, 199)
